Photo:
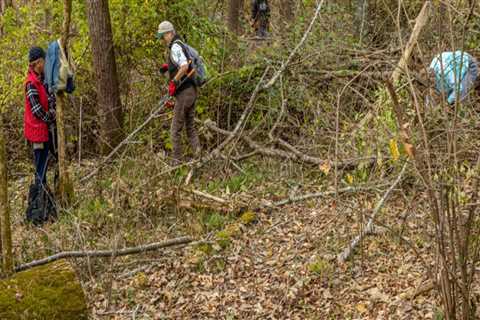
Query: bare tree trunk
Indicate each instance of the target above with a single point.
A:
(361, 18)
(234, 15)
(108, 92)
(6, 238)
(287, 10)
(65, 187)
(4, 4)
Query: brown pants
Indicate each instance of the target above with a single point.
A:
(184, 115)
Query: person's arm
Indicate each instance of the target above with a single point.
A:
(181, 61)
(37, 109)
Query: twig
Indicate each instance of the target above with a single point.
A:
(369, 228)
(208, 196)
(105, 253)
(323, 194)
(282, 111)
(152, 116)
(293, 155)
(244, 115)
(294, 51)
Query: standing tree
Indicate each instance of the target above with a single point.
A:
(234, 8)
(287, 10)
(5, 228)
(108, 92)
(361, 18)
(65, 186)
(4, 4)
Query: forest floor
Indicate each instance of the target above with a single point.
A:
(275, 264)
(281, 267)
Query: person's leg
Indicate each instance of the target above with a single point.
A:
(190, 122)
(53, 156)
(257, 27)
(177, 125)
(263, 27)
(40, 152)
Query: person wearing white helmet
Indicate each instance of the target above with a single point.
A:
(181, 87)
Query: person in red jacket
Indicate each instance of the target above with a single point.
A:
(39, 116)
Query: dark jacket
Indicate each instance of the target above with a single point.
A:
(256, 12)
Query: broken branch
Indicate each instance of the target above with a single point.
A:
(369, 228)
(105, 253)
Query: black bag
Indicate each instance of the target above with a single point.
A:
(41, 205)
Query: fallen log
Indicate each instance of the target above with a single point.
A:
(44, 293)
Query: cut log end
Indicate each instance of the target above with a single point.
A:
(47, 292)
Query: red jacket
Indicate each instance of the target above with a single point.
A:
(35, 130)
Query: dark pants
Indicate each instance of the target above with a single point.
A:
(40, 157)
(261, 26)
(184, 116)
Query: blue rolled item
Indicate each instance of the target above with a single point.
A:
(454, 71)
(52, 67)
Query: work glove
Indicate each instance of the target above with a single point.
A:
(164, 68)
(172, 87)
(169, 104)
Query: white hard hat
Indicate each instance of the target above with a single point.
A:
(164, 27)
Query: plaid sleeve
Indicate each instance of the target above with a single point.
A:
(52, 101)
(37, 110)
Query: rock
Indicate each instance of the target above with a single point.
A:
(43, 293)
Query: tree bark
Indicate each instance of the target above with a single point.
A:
(420, 23)
(4, 4)
(287, 10)
(48, 292)
(361, 18)
(108, 92)
(5, 225)
(234, 8)
(65, 187)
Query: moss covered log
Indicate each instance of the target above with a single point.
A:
(44, 293)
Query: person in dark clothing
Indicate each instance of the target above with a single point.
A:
(182, 88)
(39, 115)
(260, 17)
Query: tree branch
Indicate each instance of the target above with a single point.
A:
(369, 228)
(105, 253)
(294, 51)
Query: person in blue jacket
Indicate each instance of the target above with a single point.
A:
(455, 75)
